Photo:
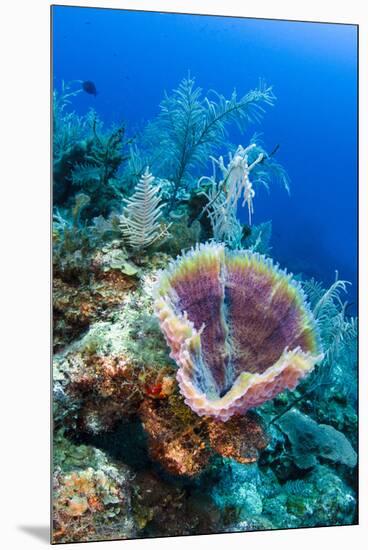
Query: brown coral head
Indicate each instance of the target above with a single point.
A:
(174, 437)
(241, 438)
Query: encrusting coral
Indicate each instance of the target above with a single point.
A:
(238, 327)
(91, 495)
(241, 438)
(184, 443)
(178, 445)
(94, 391)
(77, 306)
(107, 389)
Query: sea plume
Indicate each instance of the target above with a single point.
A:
(140, 221)
(191, 126)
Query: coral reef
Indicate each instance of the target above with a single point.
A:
(157, 361)
(77, 306)
(101, 378)
(107, 389)
(91, 495)
(95, 389)
(86, 158)
(252, 499)
(238, 327)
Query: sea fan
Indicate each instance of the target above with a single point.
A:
(140, 221)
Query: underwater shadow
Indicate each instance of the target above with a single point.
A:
(40, 532)
(118, 443)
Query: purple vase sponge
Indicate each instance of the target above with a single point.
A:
(238, 327)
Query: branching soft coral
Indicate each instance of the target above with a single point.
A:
(68, 127)
(269, 170)
(225, 226)
(140, 221)
(338, 336)
(86, 157)
(189, 128)
(247, 167)
(71, 235)
(223, 196)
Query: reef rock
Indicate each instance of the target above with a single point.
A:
(241, 438)
(238, 327)
(310, 440)
(91, 495)
(175, 436)
(184, 443)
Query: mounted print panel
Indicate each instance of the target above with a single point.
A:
(204, 274)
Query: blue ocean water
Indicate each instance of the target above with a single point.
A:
(133, 57)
